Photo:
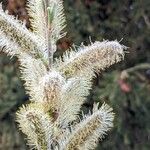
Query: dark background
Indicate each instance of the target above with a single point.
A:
(125, 86)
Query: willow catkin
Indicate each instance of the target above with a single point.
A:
(35, 124)
(51, 84)
(18, 33)
(97, 56)
(99, 122)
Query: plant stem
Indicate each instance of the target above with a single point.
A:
(49, 46)
(138, 67)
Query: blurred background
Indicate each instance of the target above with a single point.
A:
(125, 86)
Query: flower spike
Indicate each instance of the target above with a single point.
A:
(57, 88)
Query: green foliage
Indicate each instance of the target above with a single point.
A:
(132, 111)
(109, 19)
(10, 137)
(11, 88)
(11, 96)
(119, 19)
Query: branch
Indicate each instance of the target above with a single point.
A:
(138, 67)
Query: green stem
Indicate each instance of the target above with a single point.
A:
(138, 67)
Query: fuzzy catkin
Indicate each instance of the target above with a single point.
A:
(8, 46)
(18, 33)
(34, 122)
(37, 17)
(32, 71)
(97, 56)
(51, 84)
(74, 94)
(80, 137)
(99, 122)
(57, 89)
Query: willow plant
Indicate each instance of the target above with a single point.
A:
(58, 87)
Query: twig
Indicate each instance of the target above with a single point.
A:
(138, 67)
(49, 47)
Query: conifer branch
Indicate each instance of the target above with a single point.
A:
(56, 24)
(107, 117)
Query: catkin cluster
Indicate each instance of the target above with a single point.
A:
(57, 88)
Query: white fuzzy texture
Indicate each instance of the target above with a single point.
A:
(85, 135)
(8, 46)
(97, 56)
(51, 87)
(74, 94)
(31, 118)
(38, 18)
(18, 33)
(107, 117)
(32, 71)
(47, 21)
(59, 21)
(57, 90)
